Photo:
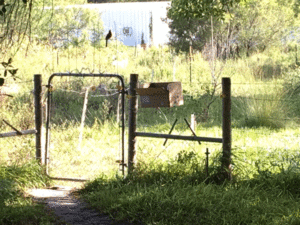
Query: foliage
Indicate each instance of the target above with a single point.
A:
(8, 70)
(190, 21)
(69, 26)
(20, 18)
(169, 185)
(15, 19)
(111, 1)
(201, 9)
(247, 27)
(257, 112)
(261, 24)
(188, 32)
(169, 189)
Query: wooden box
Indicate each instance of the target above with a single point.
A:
(155, 95)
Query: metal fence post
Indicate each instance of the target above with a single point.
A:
(38, 117)
(226, 127)
(132, 121)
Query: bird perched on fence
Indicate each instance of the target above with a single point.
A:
(108, 36)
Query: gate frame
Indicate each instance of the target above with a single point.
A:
(48, 127)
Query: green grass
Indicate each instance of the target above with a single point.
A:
(16, 208)
(169, 185)
(177, 193)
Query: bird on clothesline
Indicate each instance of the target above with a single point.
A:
(108, 36)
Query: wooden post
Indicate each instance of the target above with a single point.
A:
(193, 122)
(83, 117)
(38, 118)
(152, 76)
(132, 121)
(226, 127)
(174, 71)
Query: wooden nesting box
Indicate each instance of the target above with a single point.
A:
(154, 95)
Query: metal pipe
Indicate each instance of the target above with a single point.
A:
(15, 133)
(206, 163)
(68, 179)
(179, 137)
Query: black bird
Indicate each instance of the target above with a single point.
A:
(108, 36)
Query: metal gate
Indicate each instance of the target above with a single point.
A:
(121, 91)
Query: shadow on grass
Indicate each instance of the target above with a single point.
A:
(15, 207)
(179, 193)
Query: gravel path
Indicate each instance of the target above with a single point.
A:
(69, 209)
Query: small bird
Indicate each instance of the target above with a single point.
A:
(108, 36)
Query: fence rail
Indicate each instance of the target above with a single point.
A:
(15, 133)
(38, 120)
(179, 137)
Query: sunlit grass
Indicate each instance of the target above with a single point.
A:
(15, 207)
(97, 153)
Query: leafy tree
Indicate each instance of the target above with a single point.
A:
(69, 25)
(191, 23)
(201, 9)
(185, 32)
(247, 27)
(259, 24)
(18, 20)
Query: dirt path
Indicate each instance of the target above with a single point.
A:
(68, 208)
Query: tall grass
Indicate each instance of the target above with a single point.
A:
(15, 207)
(177, 193)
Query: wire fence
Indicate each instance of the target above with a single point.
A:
(17, 108)
(265, 125)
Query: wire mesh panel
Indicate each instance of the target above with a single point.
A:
(85, 119)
